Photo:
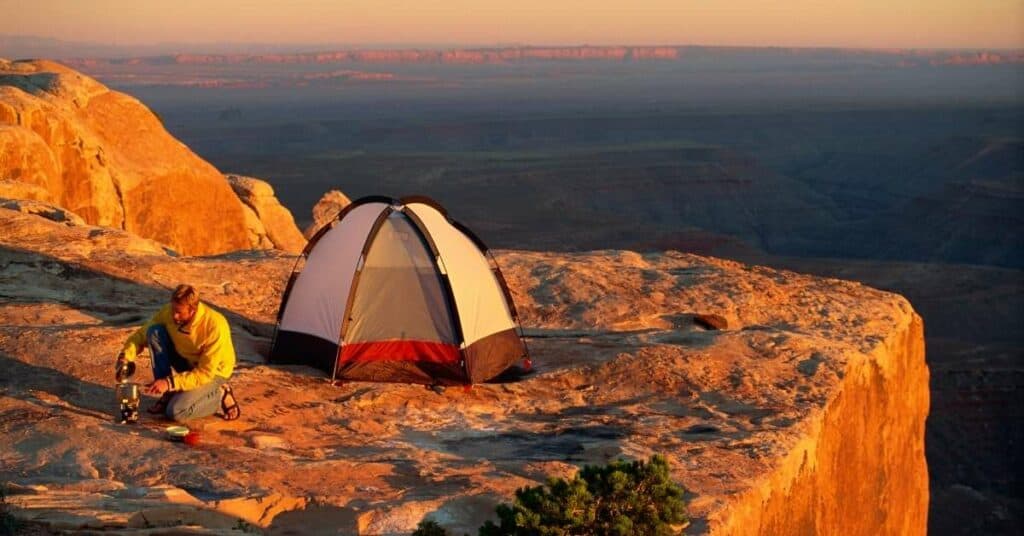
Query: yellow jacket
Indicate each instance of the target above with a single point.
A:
(207, 346)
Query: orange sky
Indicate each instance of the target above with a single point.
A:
(844, 23)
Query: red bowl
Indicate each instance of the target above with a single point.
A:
(191, 439)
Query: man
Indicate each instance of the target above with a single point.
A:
(192, 357)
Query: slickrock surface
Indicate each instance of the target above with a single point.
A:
(805, 415)
(68, 140)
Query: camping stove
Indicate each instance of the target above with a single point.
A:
(128, 396)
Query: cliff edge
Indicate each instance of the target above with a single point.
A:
(804, 415)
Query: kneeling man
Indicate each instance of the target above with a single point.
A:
(192, 357)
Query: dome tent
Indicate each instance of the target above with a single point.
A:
(396, 291)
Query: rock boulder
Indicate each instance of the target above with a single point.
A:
(106, 157)
(38, 208)
(326, 210)
(276, 226)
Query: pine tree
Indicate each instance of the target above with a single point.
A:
(619, 499)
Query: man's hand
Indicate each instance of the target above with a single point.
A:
(158, 387)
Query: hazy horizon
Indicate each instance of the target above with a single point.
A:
(259, 46)
(936, 24)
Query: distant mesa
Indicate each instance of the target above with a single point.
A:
(512, 55)
(68, 140)
(361, 67)
(978, 58)
(348, 74)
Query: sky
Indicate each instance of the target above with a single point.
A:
(839, 23)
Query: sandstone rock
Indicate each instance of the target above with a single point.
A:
(765, 442)
(319, 519)
(23, 190)
(395, 520)
(326, 210)
(13, 488)
(45, 210)
(710, 321)
(255, 230)
(104, 156)
(181, 516)
(33, 224)
(277, 222)
(28, 169)
(259, 511)
(267, 442)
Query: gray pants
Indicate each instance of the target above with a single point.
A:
(202, 401)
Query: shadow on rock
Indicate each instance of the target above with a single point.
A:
(27, 382)
(317, 519)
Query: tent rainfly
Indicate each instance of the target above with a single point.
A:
(396, 291)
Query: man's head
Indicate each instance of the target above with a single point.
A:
(184, 303)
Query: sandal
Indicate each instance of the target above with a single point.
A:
(228, 404)
(160, 406)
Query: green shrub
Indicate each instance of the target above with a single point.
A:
(620, 499)
(429, 528)
(8, 523)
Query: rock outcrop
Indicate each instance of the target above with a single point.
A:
(10, 189)
(805, 414)
(270, 224)
(818, 488)
(325, 210)
(50, 212)
(106, 157)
